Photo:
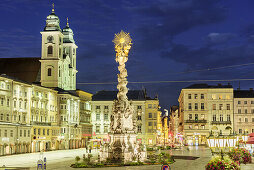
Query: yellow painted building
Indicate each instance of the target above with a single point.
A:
(151, 113)
(204, 108)
(85, 116)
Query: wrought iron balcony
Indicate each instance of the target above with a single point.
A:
(221, 122)
(196, 121)
(41, 123)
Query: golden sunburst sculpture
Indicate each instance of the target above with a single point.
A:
(122, 39)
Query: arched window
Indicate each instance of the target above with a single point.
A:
(50, 49)
(49, 71)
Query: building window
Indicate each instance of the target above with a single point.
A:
(214, 117)
(105, 107)
(246, 111)
(97, 129)
(240, 131)
(139, 128)
(246, 119)
(7, 117)
(202, 117)
(195, 96)
(5, 133)
(106, 116)
(34, 131)
(220, 96)
(252, 110)
(228, 106)
(239, 110)
(97, 116)
(240, 119)
(20, 133)
(239, 102)
(252, 131)
(221, 117)
(228, 117)
(202, 106)
(43, 131)
(155, 124)
(39, 131)
(252, 102)
(8, 102)
(105, 129)
(189, 96)
(150, 115)
(98, 107)
(139, 117)
(189, 106)
(0, 132)
(28, 133)
(196, 106)
(24, 133)
(245, 102)
(11, 134)
(50, 49)
(252, 119)
(196, 126)
(220, 107)
(202, 96)
(213, 96)
(202, 127)
(190, 116)
(49, 71)
(15, 104)
(150, 123)
(196, 116)
(190, 126)
(150, 106)
(139, 107)
(2, 117)
(214, 106)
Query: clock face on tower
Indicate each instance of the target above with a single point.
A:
(50, 39)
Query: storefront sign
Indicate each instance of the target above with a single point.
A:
(41, 137)
(86, 134)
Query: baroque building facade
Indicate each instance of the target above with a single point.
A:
(204, 108)
(41, 109)
(244, 111)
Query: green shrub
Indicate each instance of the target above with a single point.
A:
(77, 158)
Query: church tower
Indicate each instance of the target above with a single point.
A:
(70, 51)
(57, 67)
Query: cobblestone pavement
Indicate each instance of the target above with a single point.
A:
(61, 160)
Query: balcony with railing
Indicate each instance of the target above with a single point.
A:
(221, 122)
(196, 121)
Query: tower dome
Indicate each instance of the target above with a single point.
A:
(52, 22)
(68, 34)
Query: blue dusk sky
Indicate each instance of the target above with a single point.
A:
(175, 40)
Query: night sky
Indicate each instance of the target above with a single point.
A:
(172, 40)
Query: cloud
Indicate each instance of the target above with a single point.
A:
(219, 38)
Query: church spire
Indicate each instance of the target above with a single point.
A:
(53, 8)
(67, 24)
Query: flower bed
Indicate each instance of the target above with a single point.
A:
(241, 155)
(216, 163)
